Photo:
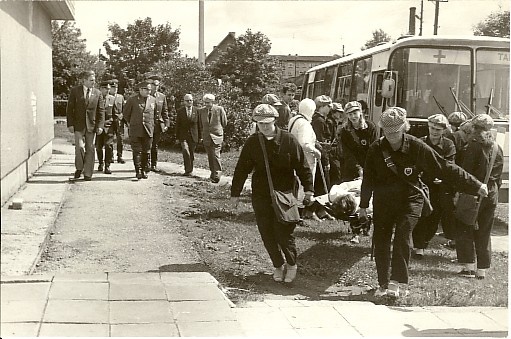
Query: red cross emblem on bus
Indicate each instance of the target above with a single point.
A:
(439, 56)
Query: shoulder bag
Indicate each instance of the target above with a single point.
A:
(284, 203)
(427, 209)
(467, 206)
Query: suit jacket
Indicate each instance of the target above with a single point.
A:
(161, 108)
(187, 128)
(140, 114)
(212, 131)
(85, 115)
(118, 105)
(110, 117)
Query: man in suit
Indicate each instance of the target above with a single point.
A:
(117, 111)
(85, 116)
(212, 121)
(106, 139)
(139, 113)
(187, 131)
(161, 123)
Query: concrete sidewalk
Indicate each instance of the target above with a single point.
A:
(177, 303)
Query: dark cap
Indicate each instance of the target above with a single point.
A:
(154, 77)
(114, 82)
(104, 84)
(143, 84)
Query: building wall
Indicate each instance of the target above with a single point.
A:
(26, 106)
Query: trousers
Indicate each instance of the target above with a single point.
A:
(277, 238)
(84, 152)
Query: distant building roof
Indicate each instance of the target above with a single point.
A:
(316, 58)
(59, 10)
(222, 46)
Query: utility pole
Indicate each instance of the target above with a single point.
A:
(201, 33)
(420, 18)
(437, 10)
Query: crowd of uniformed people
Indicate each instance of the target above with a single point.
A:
(345, 171)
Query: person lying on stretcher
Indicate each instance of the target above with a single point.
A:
(342, 202)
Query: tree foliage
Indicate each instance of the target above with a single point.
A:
(378, 36)
(496, 24)
(69, 56)
(186, 75)
(134, 50)
(247, 65)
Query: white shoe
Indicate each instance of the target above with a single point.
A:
(355, 240)
(290, 273)
(278, 274)
(380, 292)
(393, 290)
(419, 252)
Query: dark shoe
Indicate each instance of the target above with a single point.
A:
(215, 180)
(87, 178)
(418, 253)
(100, 168)
(187, 174)
(107, 170)
(139, 175)
(467, 274)
(144, 174)
(155, 169)
(78, 174)
(451, 244)
(120, 160)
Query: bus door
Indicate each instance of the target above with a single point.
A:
(376, 102)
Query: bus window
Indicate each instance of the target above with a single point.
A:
(362, 78)
(329, 78)
(319, 83)
(343, 89)
(426, 77)
(492, 83)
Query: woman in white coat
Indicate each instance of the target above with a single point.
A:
(300, 126)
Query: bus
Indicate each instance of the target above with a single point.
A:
(425, 76)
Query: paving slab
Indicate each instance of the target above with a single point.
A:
(22, 311)
(261, 318)
(203, 292)
(76, 311)
(193, 311)
(120, 291)
(140, 312)
(19, 329)
(26, 278)
(187, 278)
(467, 322)
(210, 329)
(271, 332)
(499, 315)
(74, 330)
(144, 330)
(134, 278)
(328, 332)
(81, 277)
(316, 317)
(23, 221)
(42, 192)
(79, 290)
(25, 291)
(418, 320)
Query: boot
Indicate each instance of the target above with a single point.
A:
(137, 161)
(145, 165)
(107, 169)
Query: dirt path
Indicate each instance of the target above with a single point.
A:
(101, 226)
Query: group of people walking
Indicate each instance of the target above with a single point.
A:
(329, 149)
(97, 118)
(393, 174)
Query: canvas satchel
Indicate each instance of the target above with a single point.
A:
(467, 205)
(284, 203)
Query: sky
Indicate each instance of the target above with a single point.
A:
(306, 27)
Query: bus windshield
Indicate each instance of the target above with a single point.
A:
(427, 78)
(492, 83)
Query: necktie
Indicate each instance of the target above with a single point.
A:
(189, 112)
(209, 115)
(87, 95)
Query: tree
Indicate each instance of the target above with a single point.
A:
(247, 65)
(135, 50)
(496, 24)
(186, 75)
(69, 56)
(378, 36)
